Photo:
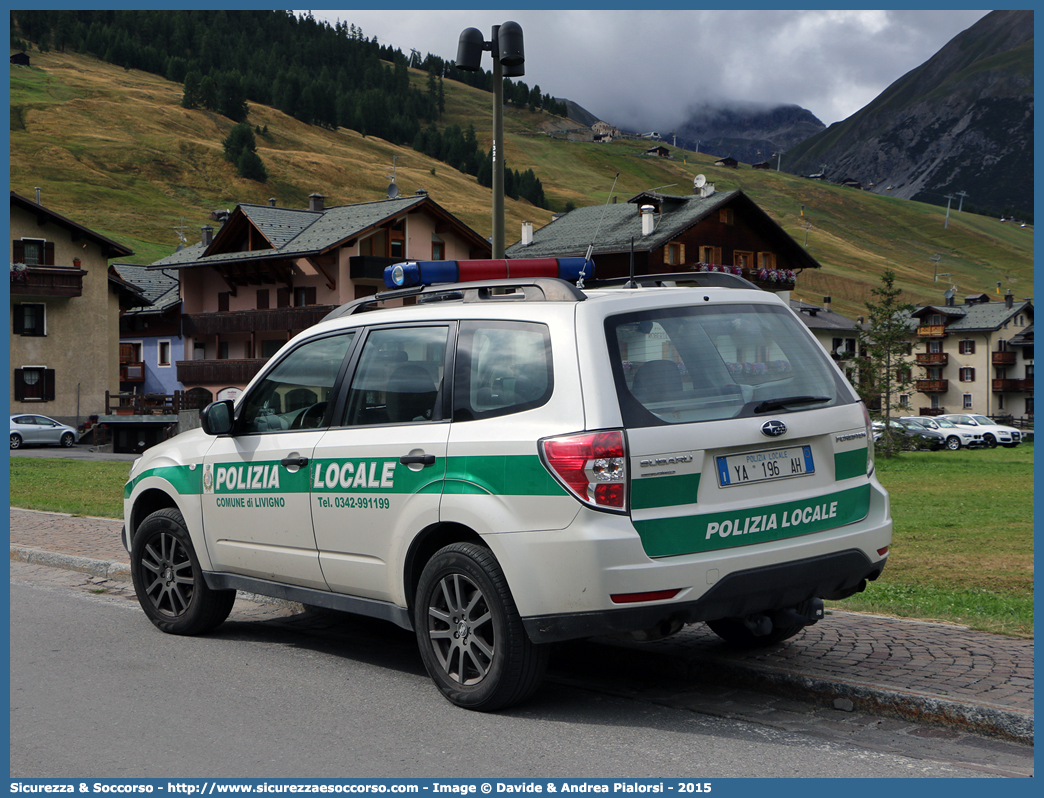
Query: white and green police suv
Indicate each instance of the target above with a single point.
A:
(505, 463)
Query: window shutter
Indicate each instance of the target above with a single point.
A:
(17, 252)
(971, 375)
(262, 299)
(18, 320)
(223, 301)
(282, 297)
(971, 347)
(48, 392)
(49, 253)
(681, 253)
(310, 295)
(19, 386)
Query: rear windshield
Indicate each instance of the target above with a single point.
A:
(691, 364)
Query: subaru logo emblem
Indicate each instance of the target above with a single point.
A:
(774, 428)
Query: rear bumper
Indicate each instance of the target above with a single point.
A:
(739, 594)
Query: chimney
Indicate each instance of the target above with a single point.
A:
(648, 220)
(37, 195)
(1009, 300)
(527, 233)
(826, 303)
(315, 202)
(271, 201)
(208, 234)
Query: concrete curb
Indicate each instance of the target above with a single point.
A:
(985, 719)
(117, 571)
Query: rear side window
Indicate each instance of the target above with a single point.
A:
(691, 364)
(501, 368)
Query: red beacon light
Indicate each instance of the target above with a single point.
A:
(432, 272)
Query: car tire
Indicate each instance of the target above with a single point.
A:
(168, 579)
(469, 632)
(68, 439)
(953, 443)
(734, 632)
(16, 440)
(989, 441)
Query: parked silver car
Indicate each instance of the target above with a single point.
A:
(30, 428)
(956, 437)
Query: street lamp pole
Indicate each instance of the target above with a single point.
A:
(509, 58)
(498, 147)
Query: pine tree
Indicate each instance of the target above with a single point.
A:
(884, 372)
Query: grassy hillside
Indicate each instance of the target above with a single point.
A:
(114, 150)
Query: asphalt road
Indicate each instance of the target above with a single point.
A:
(96, 691)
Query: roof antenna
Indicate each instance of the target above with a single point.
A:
(631, 283)
(590, 247)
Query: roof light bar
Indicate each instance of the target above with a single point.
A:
(430, 272)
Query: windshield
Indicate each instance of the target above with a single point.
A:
(982, 420)
(945, 424)
(691, 364)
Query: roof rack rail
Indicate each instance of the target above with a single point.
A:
(548, 289)
(699, 279)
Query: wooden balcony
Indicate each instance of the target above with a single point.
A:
(932, 359)
(132, 372)
(1012, 386)
(143, 404)
(58, 281)
(933, 411)
(1006, 358)
(218, 372)
(247, 321)
(932, 331)
(933, 386)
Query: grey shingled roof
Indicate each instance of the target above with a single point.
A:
(611, 227)
(974, 318)
(824, 319)
(159, 288)
(297, 233)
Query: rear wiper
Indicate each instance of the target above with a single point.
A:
(786, 401)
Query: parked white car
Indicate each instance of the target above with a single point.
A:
(956, 436)
(992, 433)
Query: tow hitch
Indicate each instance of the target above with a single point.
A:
(804, 614)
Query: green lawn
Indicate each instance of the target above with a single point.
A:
(962, 550)
(962, 547)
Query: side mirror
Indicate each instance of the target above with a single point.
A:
(217, 418)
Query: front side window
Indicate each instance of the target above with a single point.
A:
(502, 368)
(691, 364)
(399, 377)
(295, 392)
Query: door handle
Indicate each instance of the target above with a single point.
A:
(300, 462)
(421, 459)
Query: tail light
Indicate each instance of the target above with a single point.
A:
(592, 466)
(869, 439)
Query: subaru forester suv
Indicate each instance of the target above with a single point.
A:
(506, 463)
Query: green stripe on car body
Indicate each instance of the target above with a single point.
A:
(186, 480)
(667, 491)
(850, 464)
(514, 475)
(687, 534)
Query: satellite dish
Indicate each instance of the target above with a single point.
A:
(700, 181)
(949, 294)
(393, 191)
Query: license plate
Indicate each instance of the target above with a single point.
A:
(742, 469)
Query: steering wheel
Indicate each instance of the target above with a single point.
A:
(312, 417)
